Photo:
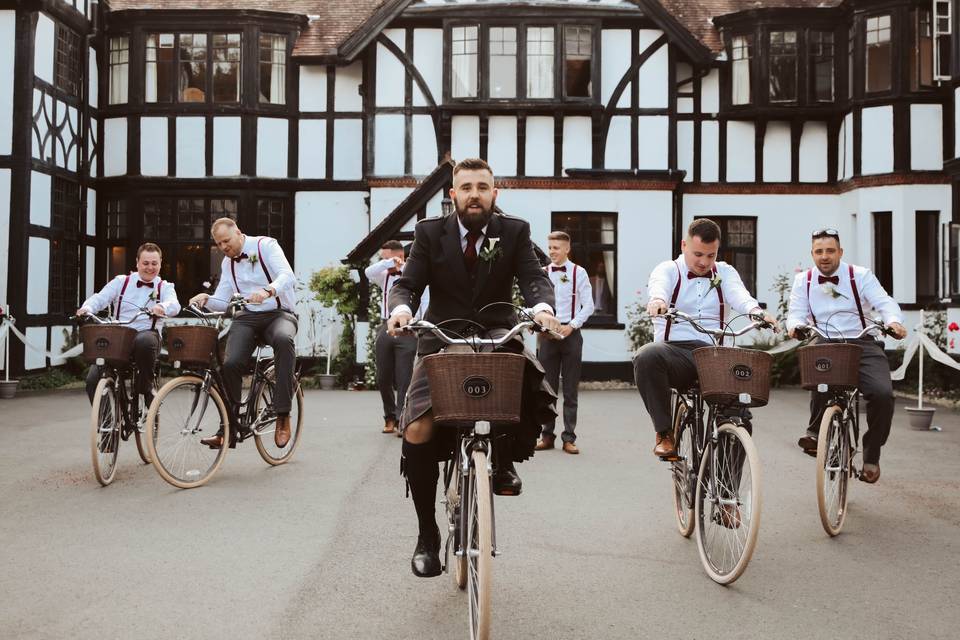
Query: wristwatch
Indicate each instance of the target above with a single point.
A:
(270, 292)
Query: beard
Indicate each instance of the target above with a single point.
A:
(474, 220)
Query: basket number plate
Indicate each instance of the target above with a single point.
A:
(742, 372)
(178, 344)
(102, 344)
(476, 386)
(823, 364)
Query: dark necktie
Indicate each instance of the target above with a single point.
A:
(691, 275)
(563, 268)
(141, 283)
(240, 257)
(470, 251)
(833, 279)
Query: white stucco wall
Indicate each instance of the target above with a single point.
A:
(226, 146)
(709, 151)
(577, 143)
(465, 137)
(876, 134)
(539, 149)
(813, 152)
(653, 75)
(776, 152)
(926, 137)
(617, 154)
(38, 274)
(614, 61)
(4, 235)
(710, 92)
(313, 88)
(8, 32)
(383, 202)
(347, 149)
(40, 193)
(272, 145)
(347, 87)
(424, 157)
(685, 149)
(388, 144)
(502, 145)
(115, 147)
(44, 48)
(741, 157)
(390, 72)
(428, 59)
(312, 149)
(653, 142)
(153, 146)
(192, 149)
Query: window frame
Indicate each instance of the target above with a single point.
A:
(287, 50)
(750, 48)
(118, 70)
(579, 248)
(929, 253)
(68, 75)
(208, 90)
(915, 50)
(796, 56)
(812, 61)
(892, 58)
(729, 252)
(882, 232)
(66, 236)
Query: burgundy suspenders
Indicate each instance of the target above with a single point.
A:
(233, 272)
(676, 295)
(123, 290)
(573, 294)
(853, 288)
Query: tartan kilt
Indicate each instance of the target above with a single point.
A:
(538, 404)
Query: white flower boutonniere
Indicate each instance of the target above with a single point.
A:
(492, 251)
(153, 296)
(831, 291)
(253, 258)
(564, 279)
(715, 282)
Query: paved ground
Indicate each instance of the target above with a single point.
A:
(320, 548)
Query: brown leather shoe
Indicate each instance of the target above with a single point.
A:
(214, 442)
(545, 442)
(281, 435)
(666, 447)
(389, 425)
(730, 516)
(870, 473)
(569, 447)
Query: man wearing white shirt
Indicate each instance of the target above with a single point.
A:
(141, 289)
(395, 354)
(256, 268)
(561, 359)
(696, 284)
(832, 296)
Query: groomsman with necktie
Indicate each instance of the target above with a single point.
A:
(831, 296)
(130, 293)
(561, 359)
(394, 354)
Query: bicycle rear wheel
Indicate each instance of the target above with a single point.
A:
(182, 414)
(833, 469)
(265, 423)
(454, 507)
(105, 421)
(479, 547)
(684, 475)
(728, 504)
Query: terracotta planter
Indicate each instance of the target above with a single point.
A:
(920, 418)
(8, 388)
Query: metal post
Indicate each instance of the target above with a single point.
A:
(920, 347)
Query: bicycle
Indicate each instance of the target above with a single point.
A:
(716, 470)
(180, 412)
(116, 409)
(472, 391)
(834, 368)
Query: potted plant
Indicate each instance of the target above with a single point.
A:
(8, 387)
(334, 288)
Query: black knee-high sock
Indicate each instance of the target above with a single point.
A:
(422, 472)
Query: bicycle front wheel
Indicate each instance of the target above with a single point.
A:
(684, 475)
(105, 421)
(833, 469)
(453, 481)
(479, 547)
(182, 414)
(140, 433)
(728, 504)
(265, 422)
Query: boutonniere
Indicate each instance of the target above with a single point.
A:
(252, 258)
(715, 282)
(831, 291)
(564, 279)
(492, 251)
(152, 296)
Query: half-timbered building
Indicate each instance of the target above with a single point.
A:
(331, 125)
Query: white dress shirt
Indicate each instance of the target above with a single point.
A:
(379, 274)
(697, 298)
(564, 293)
(134, 298)
(825, 305)
(250, 277)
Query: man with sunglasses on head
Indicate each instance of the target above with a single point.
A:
(832, 295)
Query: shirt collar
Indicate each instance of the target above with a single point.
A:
(464, 231)
(565, 263)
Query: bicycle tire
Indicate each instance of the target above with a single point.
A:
(263, 433)
(182, 442)
(683, 474)
(479, 548)
(833, 449)
(454, 496)
(139, 432)
(105, 431)
(726, 561)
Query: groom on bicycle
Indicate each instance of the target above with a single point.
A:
(831, 295)
(469, 260)
(696, 284)
(129, 294)
(256, 268)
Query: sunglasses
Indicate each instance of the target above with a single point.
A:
(826, 233)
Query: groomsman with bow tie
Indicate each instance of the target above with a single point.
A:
(561, 359)
(696, 284)
(832, 296)
(128, 294)
(395, 354)
(256, 268)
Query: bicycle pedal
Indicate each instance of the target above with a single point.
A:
(673, 458)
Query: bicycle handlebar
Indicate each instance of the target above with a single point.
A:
(802, 330)
(758, 323)
(422, 326)
(237, 301)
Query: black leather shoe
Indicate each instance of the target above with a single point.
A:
(808, 442)
(426, 557)
(506, 482)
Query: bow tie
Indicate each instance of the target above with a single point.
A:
(240, 257)
(141, 283)
(563, 268)
(833, 279)
(691, 275)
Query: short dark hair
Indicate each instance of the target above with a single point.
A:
(151, 247)
(559, 235)
(392, 245)
(705, 229)
(472, 164)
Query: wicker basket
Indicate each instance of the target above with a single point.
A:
(727, 372)
(466, 387)
(836, 365)
(113, 344)
(191, 344)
